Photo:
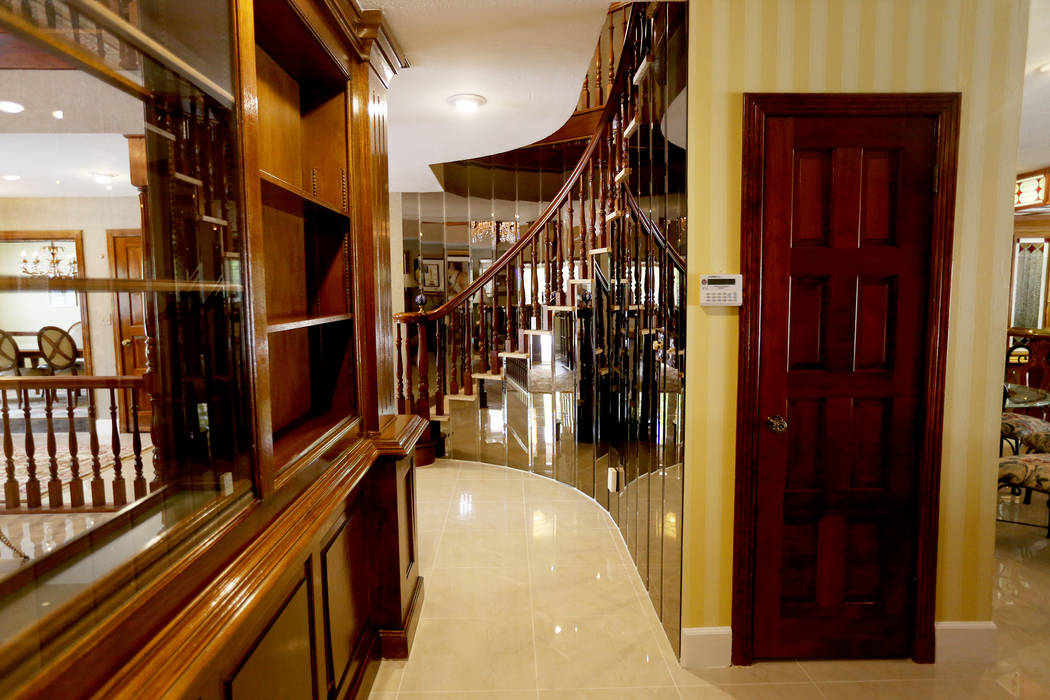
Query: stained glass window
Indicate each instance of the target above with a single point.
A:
(1030, 191)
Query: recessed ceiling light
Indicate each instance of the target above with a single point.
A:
(466, 102)
(10, 107)
(12, 178)
(103, 178)
(57, 114)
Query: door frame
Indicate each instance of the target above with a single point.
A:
(944, 108)
(77, 237)
(111, 252)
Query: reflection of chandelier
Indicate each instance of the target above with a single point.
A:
(485, 231)
(52, 265)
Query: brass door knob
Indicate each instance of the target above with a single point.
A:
(776, 424)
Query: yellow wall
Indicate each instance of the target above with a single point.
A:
(976, 47)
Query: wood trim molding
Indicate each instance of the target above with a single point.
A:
(176, 660)
(395, 644)
(945, 109)
(399, 436)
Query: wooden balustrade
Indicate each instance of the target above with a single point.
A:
(55, 401)
(598, 82)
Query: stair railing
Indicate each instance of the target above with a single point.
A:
(593, 214)
(46, 464)
(597, 83)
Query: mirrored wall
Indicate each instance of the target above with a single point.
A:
(586, 388)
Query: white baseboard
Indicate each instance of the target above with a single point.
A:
(707, 647)
(965, 642)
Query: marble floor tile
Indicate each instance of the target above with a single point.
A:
(465, 512)
(584, 590)
(388, 680)
(477, 592)
(668, 693)
(481, 548)
(777, 672)
(531, 595)
(769, 691)
(473, 695)
(490, 654)
(896, 690)
(601, 651)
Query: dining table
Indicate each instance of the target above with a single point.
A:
(29, 353)
(1021, 396)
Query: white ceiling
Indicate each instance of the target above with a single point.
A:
(59, 157)
(63, 165)
(528, 59)
(1034, 151)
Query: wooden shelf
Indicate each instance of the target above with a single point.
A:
(296, 438)
(273, 185)
(291, 323)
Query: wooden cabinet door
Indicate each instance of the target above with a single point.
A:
(847, 223)
(125, 249)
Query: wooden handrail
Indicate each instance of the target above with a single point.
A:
(654, 230)
(70, 382)
(608, 112)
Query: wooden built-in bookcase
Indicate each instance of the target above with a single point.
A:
(303, 180)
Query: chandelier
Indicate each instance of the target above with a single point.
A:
(501, 231)
(48, 262)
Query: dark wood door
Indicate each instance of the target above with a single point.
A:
(847, 229)
(125, 248)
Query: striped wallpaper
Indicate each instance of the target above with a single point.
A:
(973, 46)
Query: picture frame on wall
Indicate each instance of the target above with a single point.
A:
(457, 273)
(432, 274)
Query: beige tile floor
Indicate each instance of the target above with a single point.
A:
(530, 594)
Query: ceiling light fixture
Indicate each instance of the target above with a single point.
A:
(467, 102)
(49, 262)
(12, 178)
(10, 107)
(57, 114)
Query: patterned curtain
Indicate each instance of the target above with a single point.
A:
(1029, 275)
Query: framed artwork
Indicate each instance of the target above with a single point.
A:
(432, 274)
(457, 273)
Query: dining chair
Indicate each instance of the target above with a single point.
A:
(59, 351)
(58, 348)
(76, 331)
(11, 361)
